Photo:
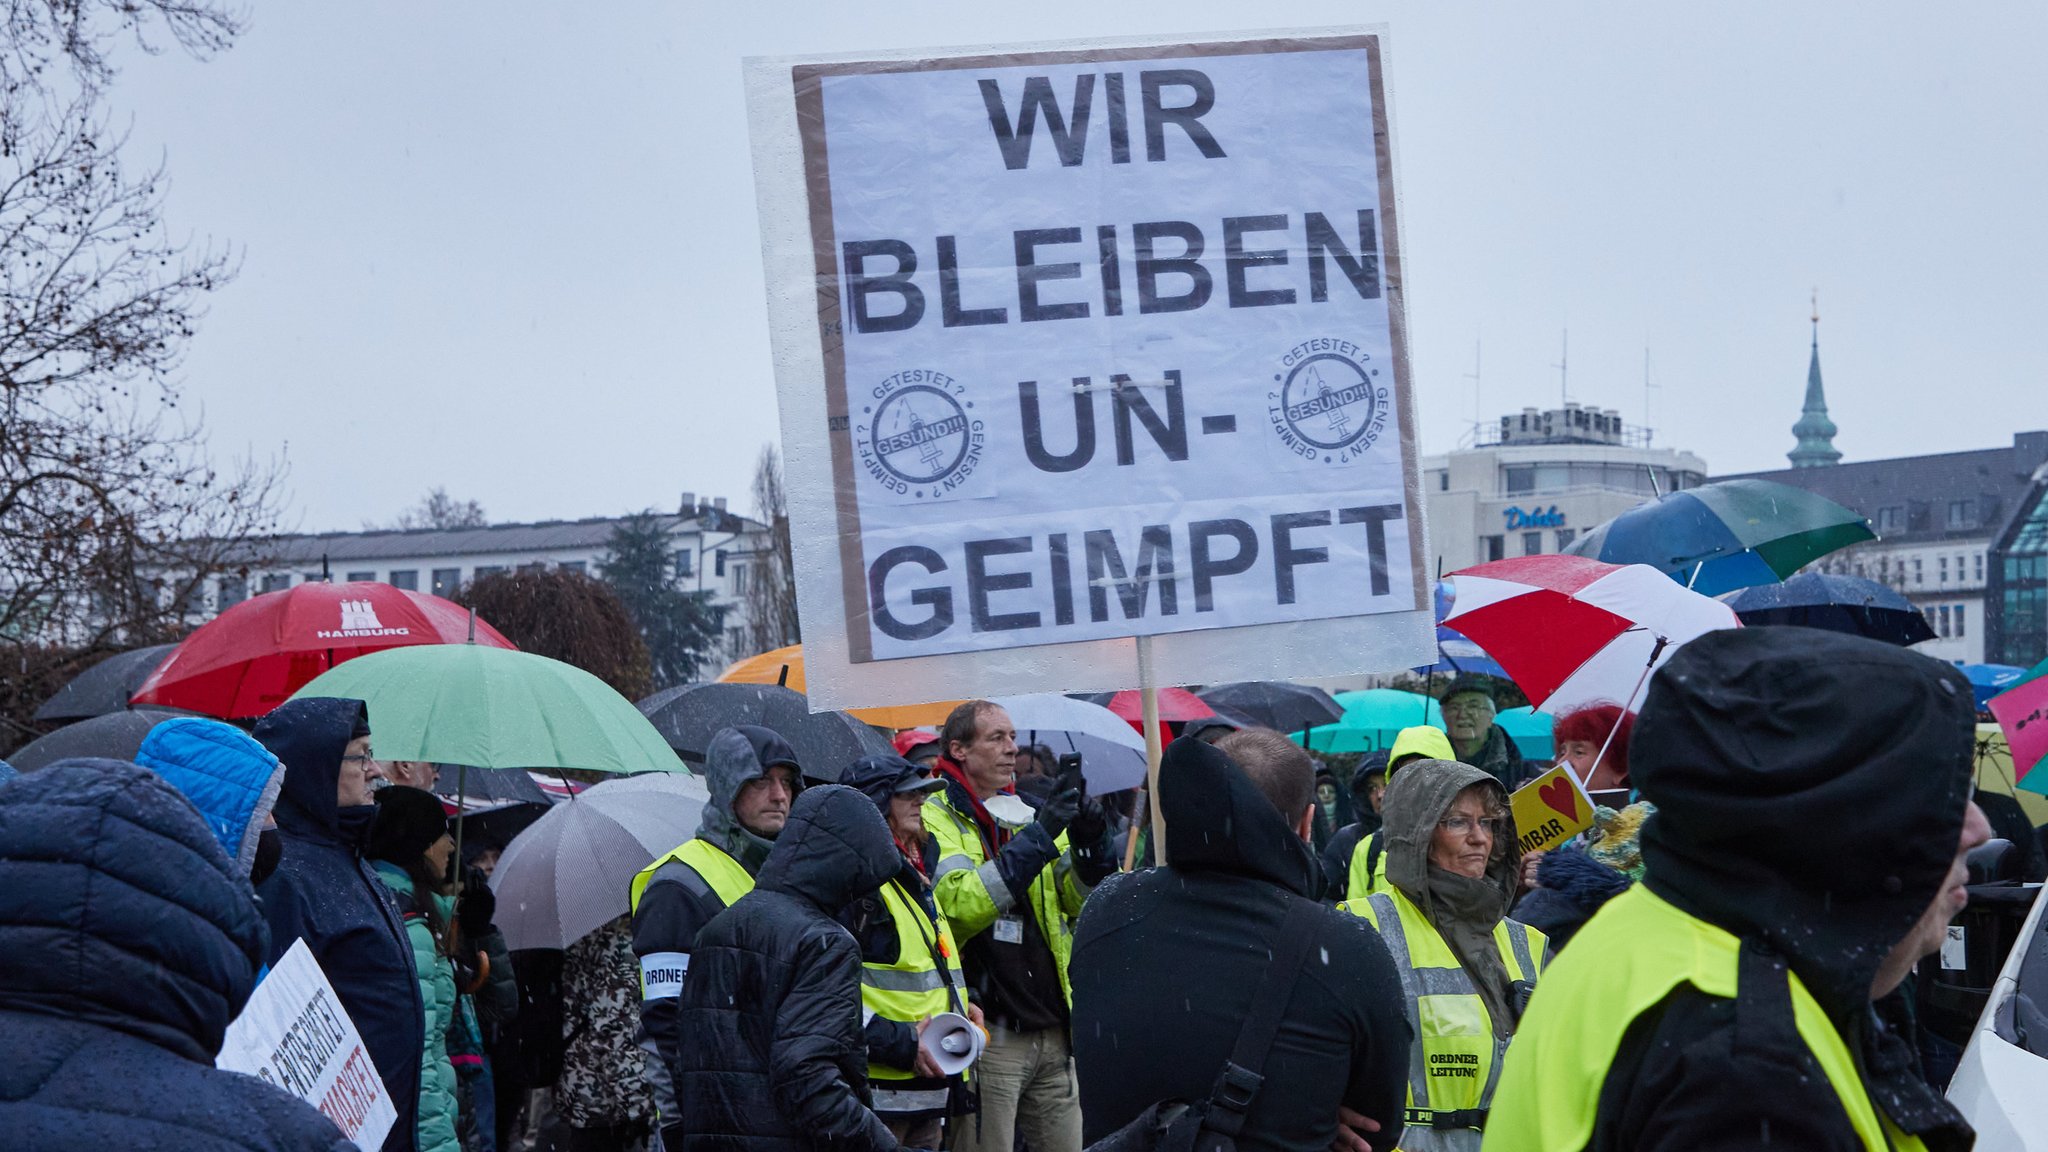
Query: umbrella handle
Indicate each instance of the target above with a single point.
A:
(1662, 643)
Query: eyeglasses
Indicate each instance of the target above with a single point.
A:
(1463, 825)
(364, 758)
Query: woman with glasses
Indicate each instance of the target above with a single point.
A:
(1466, 969)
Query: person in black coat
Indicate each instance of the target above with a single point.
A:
(1166, 962)
(128, 941)
(325, 893)
(772, 998)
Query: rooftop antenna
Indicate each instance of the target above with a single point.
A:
(1473, 376)
(1563, 372)
(1648, 387)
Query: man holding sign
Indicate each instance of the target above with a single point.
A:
(128, 943)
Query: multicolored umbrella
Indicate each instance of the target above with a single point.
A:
(1848, 604)
(254, 656)
(1726, 535)
(1572, 631)
(2022, 714)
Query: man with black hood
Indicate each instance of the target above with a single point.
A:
(772, 1005)
(753, 777)
(1813, 816)
(1167, 962)
(128, 941)
(326, 893)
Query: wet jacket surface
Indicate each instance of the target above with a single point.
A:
(327, 894)
(127, 944)
(677, 902)
(777, 1059)
(437, 1118)
(1167, 960)
(1810, 791)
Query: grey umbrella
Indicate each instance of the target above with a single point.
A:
(116, 735)
(824, 742)
(105, 687)
(571, 872)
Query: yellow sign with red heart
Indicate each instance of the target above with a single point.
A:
(1550, 809)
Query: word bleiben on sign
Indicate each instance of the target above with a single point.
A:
(1165, 263)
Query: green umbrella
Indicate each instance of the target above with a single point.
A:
(1371, 720)
(1726, 535)
(495, 708)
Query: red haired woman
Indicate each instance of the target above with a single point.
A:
(1581, 733)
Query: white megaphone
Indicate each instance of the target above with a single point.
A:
(952, 1041)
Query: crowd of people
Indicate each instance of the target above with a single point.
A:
(946, 947)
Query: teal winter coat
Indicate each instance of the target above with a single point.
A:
(437, 1123)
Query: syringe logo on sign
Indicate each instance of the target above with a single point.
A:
(918, 437)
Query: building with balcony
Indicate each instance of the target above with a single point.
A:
(1534, 481)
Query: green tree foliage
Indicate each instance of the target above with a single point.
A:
(679, 627)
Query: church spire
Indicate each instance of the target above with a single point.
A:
(1816, 433)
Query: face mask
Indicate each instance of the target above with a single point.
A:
(269, 850)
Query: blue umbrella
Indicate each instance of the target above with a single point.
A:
(1848, 604)
(1457, 655)
(1988, 680)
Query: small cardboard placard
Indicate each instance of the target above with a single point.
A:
(1550, 809)
(294, 1034)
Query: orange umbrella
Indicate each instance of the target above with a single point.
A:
(785, 666)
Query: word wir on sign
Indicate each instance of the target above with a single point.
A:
(886, 292)
(1092, 563)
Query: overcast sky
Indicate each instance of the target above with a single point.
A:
(511, 248)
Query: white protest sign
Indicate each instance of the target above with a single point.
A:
(1101, 341)
(294, 1034)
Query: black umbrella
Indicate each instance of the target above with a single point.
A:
(1848, 604)
(491, 785)
(1274, 704)
(496, 827)
(116, 735)
(825, 742)
(105, 687)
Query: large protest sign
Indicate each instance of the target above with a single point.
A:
(1078, 344)
(294, 1034)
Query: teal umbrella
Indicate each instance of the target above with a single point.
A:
(1371, 720)
(1531, 731)
(486, 707)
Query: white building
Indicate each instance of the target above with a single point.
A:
(714, 551)
(1537, 480)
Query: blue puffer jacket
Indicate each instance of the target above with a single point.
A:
(327, 894)
(127, 944)
(224, 772)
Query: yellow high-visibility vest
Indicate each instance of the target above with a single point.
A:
(1456, 1059)
(1624, 962)
(722, 872)
(911, 988)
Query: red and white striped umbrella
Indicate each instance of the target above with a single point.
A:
(1572, 631)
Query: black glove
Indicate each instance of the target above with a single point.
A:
(475, 907)
(1090, 826)
(1063, 805)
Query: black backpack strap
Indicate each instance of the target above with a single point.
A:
(1242, 1076)
(1372, 858)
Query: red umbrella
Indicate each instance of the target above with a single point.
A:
(1175, 704)
(1572, 631)
(253, 656)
